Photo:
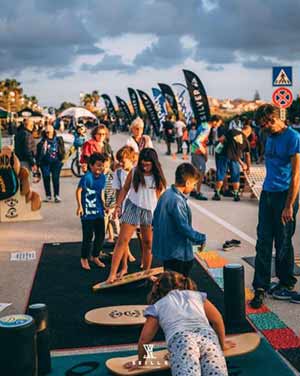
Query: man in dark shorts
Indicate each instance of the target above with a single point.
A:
(278, 207)
(199, 151)
(228, 153)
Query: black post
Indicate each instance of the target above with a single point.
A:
(234, 296)
(18, 354)
(40, 314)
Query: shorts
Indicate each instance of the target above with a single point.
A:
(198, 161)
(134, 215)
(222, 165)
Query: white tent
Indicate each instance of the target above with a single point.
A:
(77, 112)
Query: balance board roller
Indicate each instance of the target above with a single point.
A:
(245, 343)
(124, 315)
(129, 278)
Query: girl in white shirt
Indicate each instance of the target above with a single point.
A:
(143, 186)
(185, 315)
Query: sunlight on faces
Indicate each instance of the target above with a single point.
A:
(97, 168)
(126, 164)
(100, 135)
(106, 166)
(49, 131)
(190, 185)
(137, 130)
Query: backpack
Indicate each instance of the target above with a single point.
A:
(9, 183)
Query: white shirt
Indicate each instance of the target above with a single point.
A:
(179, 126)
(147, 143)
(179, 310)
(145, 197)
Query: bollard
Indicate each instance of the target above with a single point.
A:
(234, 296)
(18, 354)
(40, 314)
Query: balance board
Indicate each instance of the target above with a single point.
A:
(245, 343)
(128, 278)
(117, 315)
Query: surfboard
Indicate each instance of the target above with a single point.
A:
(124, 315)
(128, 278)
(245, 343)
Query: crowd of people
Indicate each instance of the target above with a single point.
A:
(126, 192)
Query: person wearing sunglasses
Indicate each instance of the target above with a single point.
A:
(97, 144)
(278, 207)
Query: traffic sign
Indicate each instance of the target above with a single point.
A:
(282, 97)
(282, 76)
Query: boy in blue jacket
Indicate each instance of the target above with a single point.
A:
(173, 234)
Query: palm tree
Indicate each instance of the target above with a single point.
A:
(88, 100)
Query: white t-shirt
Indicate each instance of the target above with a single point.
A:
(146, 142)
(179, 126)
(179, 310)
(145, 197)
(118, 182)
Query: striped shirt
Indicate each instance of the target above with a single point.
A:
(109, 192)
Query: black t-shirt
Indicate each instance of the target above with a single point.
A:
(169, 130)
(236, 144)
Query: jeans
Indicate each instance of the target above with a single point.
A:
(92, 228)
(52, 169)
(179, 144)
(182, 267)
(271, 230)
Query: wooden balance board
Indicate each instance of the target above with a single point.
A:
(129, 278)
(245, 343)
(117, 315)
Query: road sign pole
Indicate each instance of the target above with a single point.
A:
(283, 114)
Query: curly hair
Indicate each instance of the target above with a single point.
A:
(167, 282)
(96, 129)
(149, 155)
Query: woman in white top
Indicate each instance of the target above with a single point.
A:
(138, 141)
(143, 186)
(193, 327)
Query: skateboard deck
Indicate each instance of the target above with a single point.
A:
(117, 315)
(245, 343)
(129, 278)
(255, 179)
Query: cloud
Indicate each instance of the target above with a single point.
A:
(166, 52)
(108, 63)
(259, 63)
(214, 68)
(60, 74)
(89, 50)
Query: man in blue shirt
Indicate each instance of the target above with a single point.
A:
(173, 234)
(278, 208)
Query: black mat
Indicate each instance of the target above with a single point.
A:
(251, 261)
(66, 289)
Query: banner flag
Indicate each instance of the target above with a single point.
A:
(150, 109)
(168, 93)
(110, 109)
(135, 102)
(125, 110)
(198, 97)
(182, 105)
(160, 105)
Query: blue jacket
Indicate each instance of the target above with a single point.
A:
(173, 235)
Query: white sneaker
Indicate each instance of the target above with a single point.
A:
(57, 199)
(48, 199)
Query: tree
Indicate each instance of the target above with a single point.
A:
(64, 106)
(256, 96)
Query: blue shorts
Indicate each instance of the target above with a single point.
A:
(222, 165)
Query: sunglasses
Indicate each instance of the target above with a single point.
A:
(101, 134)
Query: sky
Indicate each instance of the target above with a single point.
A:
(59, 48)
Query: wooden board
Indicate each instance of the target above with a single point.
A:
(117, 315)
(245, 343)
(129, 278)
(256, 179)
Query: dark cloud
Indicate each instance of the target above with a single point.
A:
(166, 52)
(53, 33)
(259, 63)
(108, 63)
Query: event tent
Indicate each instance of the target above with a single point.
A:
(77, 112)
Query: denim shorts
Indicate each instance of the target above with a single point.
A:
(223, 164)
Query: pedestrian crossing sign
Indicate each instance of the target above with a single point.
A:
(282, 76)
